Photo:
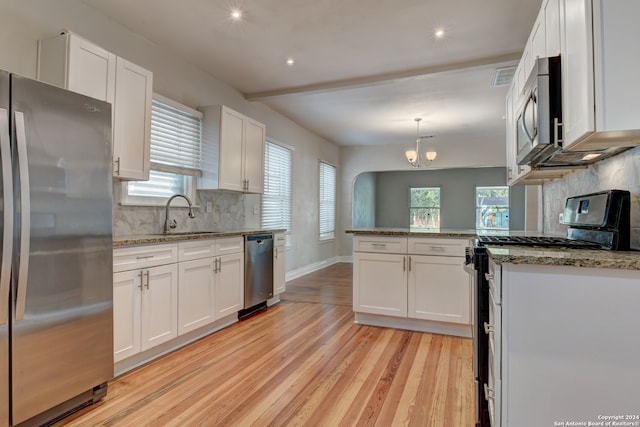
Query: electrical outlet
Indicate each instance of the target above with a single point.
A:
(209, 207)
(560, 217)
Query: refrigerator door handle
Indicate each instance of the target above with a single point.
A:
(25, 215)
(7, 220)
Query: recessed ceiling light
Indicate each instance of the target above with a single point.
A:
(236, 14)
(439, 33)
(290, 61)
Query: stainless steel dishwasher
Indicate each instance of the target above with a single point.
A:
(258, 271)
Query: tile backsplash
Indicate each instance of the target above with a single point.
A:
(227, 213)
(621, 172)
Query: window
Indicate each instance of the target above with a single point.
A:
(276, 200)
(492, 208)
(424, 208)
(327, 201)
(176, 144)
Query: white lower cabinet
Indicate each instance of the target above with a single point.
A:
(438, 289)
(229, 285)
(211, 281)
(161, 292)
(196, 300)
(279, 263)
(380, 284)
(144, 306)
(420, 280)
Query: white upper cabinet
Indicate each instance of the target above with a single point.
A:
(233, 151)
(600, 68)
(551, 10)
(71, 62)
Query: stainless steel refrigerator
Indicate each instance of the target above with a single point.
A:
(56, 292)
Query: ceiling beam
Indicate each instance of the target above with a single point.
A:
(385, 77)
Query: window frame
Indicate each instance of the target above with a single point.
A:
(189, 178)
(478, 225)
(326, 235)
(412, 208)
(289, 230)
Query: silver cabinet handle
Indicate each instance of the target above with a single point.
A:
(117, 168)
(379, 245)
(489, 393)
(7, 196)
(489, 276)
(404, 263)
(409, 262)
(488, 328)
(25, 215)
(275, 253)
(144, 257)
(215, 265)
(437, 248)
(147, 285)
(219, 265)
(141, 280)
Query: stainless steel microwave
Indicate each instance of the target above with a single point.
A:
(539, 113)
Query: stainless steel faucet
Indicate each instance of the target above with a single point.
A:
(171, 224)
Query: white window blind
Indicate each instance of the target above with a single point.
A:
(327, 201)
(175, 139)
(276, 200)
(176, 135)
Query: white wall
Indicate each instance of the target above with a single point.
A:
(22, 23)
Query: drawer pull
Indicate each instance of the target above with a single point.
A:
(144, 257)
(489, 393)
(437, 248)
(489, 276)
(379, 245)
(489, 329)
(140, 274)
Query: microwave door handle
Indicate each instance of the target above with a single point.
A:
(522, 122)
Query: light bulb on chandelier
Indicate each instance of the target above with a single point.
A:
(413, 156)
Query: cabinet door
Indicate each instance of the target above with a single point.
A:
(552, 27)
(132, 121)
(577, 71)
(126, 314)
(196, 301)
(538, 39)
(254, 156)
(230, 160)
(91, 69)
(279, 281)
(229, 283)
(439, 289)
(380, 284)
(159, 305)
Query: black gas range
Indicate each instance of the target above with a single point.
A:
(596, 221)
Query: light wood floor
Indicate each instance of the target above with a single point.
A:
(302, 362)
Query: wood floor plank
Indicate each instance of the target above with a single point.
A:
(303, 362)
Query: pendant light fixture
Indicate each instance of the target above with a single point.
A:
(413, 156)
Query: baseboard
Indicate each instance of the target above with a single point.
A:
(307, 269)
(414, 324)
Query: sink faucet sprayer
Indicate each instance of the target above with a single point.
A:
(171, 224)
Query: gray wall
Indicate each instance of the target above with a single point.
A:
(364, 201)
(620, 172)
(457, 195)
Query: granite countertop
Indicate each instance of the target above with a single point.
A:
(414, 233)
(143, 239)
(602, 258)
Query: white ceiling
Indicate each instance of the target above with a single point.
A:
(364, 69)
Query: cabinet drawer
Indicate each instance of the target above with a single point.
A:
(394, 245)
(434, 246)
(196, 249)
(279, 239)
(229, 245)
(144, 256)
